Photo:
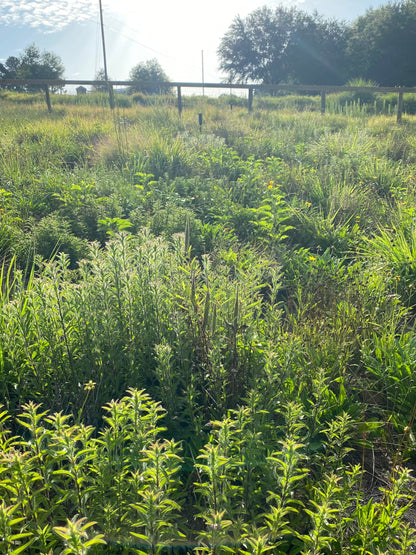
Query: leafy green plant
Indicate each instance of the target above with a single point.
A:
(75, 536)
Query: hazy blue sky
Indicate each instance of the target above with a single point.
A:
(174, 32)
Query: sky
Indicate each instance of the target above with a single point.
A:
(183, 35)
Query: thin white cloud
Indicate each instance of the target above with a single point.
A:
(50, 15)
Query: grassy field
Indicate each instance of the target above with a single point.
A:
(207, 336)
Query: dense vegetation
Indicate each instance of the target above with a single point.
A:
(291, 45)
(207, 337)
(31, 64)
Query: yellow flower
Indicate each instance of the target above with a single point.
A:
(89, 386)
(312, 258)
(271, 182)
(270, 187)
(308, 204)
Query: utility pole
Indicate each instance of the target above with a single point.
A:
(203, 74)
(110, 88)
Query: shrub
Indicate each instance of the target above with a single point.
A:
(52, 235)
(360, 97)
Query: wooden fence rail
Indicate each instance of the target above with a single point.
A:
(46, 84)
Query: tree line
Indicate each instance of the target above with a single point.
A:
(280, 45)
(34, 64)
(292, 46)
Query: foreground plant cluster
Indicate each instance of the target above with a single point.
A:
(207, 336)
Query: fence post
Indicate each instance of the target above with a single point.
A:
(48, 98)
(400, 107)
(323, 101)
(179, 101)
(250, 99)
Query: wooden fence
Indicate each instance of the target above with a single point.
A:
(323, 90)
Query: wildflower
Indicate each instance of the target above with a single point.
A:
(89, 386)
(270, 187)
(308, 204)
(312, 258)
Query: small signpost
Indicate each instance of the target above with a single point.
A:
(48, 98)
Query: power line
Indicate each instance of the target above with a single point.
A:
(120, 26)
(123, 25)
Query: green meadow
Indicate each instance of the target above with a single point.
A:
(207, 334)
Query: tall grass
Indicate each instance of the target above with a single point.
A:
(256, 278)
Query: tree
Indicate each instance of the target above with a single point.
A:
(153, 79)
(381, 44)
(8, 70)
(316, 52)
(284, 44)
(32, 64)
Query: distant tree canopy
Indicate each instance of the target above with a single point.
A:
(382, 44)
(32, 64)
(289, 45)
(149, 71)
(284, 44)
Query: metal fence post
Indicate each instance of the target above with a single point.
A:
(250, 99)
(48, 98)
(323, 101)
(400, 107)
(179, 101)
